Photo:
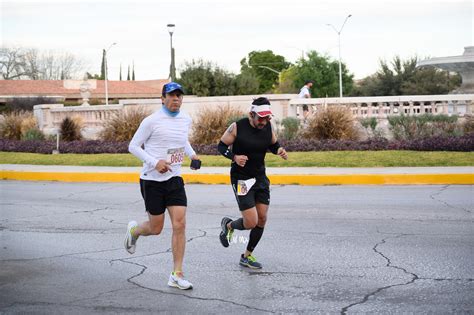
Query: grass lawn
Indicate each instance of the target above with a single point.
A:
(295, 159)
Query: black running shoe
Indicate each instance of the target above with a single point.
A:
(223, 236)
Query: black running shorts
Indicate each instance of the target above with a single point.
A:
(259, 193)
(159, 195)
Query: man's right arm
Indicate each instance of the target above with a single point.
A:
(135, 147)
(227, 140)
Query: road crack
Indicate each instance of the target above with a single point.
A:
(389, 264)
(144, 268)
(439, 192)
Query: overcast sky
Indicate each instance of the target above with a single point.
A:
(226, 31)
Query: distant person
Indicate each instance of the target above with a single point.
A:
(304, 92)
(161, 142)
(306, 116)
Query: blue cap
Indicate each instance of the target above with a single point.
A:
(172, 86)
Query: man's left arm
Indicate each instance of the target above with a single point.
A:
(188, 149)
(195, 162)
(275, 148)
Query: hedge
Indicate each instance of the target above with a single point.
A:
(462, 143)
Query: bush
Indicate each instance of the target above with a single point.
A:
(11, 126)
(290, 128)
(462, 144)
(405, 127)
(440, 143)
(123, 125)
(33, 134)
(210, 123)
(369, 123)
(206, 149)
(93, 147)
(79, 147)
(28, 122)
(234, 118)
(14, 125)
(467, 126)
(96, 101)
(70, 129)
(307, 145)
(332, 123)
(71, 103)
(27, 103)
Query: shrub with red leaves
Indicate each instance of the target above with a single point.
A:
(452, 143)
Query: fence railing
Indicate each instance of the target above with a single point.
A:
(50, 116)
(383, 106)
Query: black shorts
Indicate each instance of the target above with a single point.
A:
(159, 195)
(259, 193)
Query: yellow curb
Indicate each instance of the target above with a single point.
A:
(71, 177)
(374, 179)
(359, 179)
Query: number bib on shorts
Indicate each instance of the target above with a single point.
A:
(175, 156)
(243, 186)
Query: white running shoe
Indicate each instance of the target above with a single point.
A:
(130, 241)
(179, 283)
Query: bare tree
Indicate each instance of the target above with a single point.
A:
(12, 63)
(71, 67)
(30, 61)
(22, 63)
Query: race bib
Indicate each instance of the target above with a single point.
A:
(243, 186)
(175, 156)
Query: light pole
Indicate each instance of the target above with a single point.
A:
(172, 68)
(106, 87)
(270, 69)
(339, 40)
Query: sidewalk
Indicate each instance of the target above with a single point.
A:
(277, 175)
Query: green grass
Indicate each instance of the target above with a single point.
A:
(296, 159)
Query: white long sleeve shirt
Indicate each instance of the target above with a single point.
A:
(163, 138)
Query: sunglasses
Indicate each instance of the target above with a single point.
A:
(262, 119)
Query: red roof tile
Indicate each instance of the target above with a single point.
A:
(56, 88)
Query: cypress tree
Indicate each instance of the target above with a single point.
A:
(102, 67)
(133, 72)
(128, 74)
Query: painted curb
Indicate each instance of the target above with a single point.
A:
(294, 179)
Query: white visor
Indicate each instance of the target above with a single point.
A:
(261, 110)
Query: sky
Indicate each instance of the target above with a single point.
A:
(224, 32)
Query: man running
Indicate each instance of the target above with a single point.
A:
(164, 136)
(304, 92)
(250, 139)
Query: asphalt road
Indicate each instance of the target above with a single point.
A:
(326, 249)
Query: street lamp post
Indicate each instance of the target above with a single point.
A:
(272, 70)
(339, 40)
(172, 67)
(106, 72)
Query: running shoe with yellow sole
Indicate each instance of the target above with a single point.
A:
(130, 242)
(250, 262)
(226, 234)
